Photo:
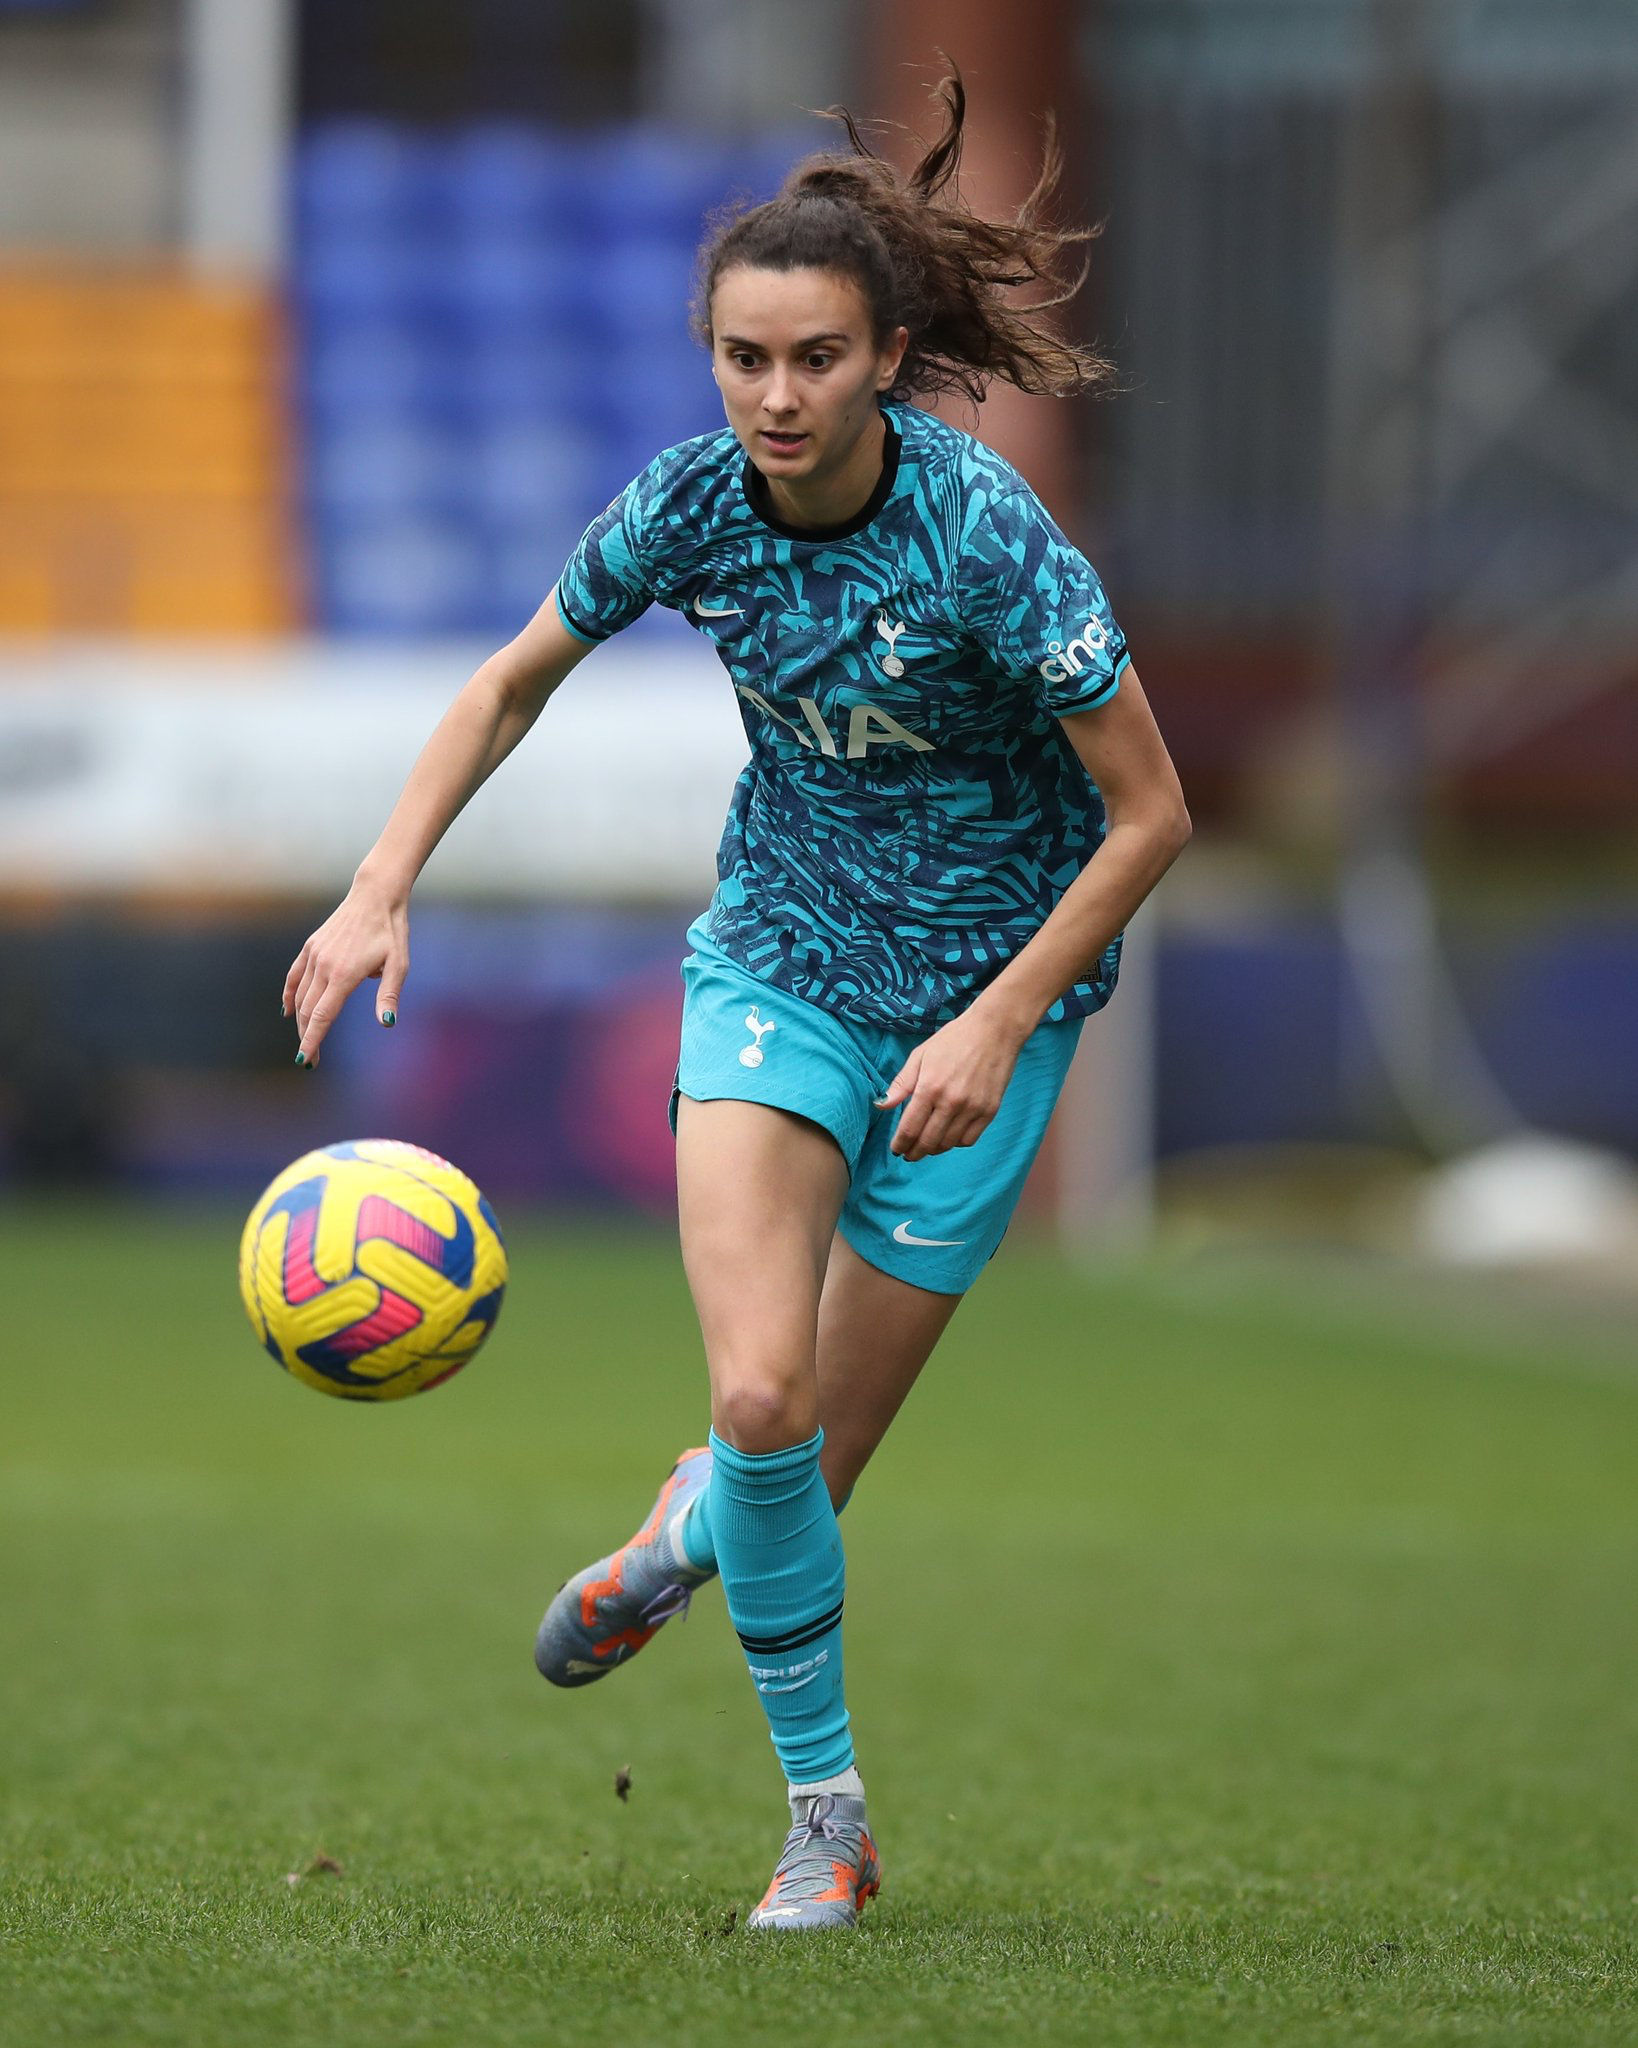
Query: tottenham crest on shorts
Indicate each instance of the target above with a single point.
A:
(752, 1055)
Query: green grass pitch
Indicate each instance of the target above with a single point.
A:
(1238, 1655)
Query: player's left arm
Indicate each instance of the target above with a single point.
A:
(952, 1085)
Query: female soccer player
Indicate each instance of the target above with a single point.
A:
(956, 798)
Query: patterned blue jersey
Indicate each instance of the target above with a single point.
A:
(911, 810)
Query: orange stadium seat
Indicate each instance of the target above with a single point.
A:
(143, 476)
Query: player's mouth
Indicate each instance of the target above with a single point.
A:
(781, 443)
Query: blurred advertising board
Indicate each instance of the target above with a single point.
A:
(257, 774)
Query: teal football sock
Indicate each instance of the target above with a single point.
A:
(691, 1532)
(780, 1554)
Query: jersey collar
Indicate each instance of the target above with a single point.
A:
(757, 496)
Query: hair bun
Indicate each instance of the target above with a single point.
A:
(924, 261)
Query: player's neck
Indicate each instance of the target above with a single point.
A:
(834, 499)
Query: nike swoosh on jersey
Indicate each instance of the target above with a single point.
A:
(902, 1236)
(718, 611)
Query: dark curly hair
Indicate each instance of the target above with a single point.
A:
(924, 261)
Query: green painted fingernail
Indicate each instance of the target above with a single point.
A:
(301, 1059)
(389, 1016)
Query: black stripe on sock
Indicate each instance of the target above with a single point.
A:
(770, 1646)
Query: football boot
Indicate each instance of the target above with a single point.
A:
(827, 1869)
(604, 1615)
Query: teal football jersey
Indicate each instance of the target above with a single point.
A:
(911, 809)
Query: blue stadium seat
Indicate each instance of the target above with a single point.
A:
(492, 334)
(401, 574)
(354, 368)
(523, 559)
(364, 174)
(370, 277)
(535, 470)
(386, 464)
(504, 175)
(763, 161)
(512, 279)
(649, 180)
(517, 371)
(661, 388)
(642, 285)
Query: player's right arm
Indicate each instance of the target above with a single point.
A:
(367, 935)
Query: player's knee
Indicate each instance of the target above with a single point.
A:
(764, 1414)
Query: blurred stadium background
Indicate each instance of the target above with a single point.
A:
(325, 328)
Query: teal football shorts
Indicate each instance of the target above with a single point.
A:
(933, 1222)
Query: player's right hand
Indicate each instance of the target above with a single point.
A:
(366, 937)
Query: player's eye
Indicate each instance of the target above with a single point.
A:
(742, 359)
(819, 360)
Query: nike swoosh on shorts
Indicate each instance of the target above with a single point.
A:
(902, 1236)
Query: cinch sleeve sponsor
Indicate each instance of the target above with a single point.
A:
(1036, 606)
(604, 585)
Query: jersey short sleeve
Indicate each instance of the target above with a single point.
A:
(1035, 605)
(604, 584)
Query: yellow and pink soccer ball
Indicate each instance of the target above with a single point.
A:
(372, 1270)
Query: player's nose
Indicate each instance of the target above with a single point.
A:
(779, 393)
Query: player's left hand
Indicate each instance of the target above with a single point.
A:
(952, 1086)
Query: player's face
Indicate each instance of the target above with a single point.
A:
(800, 372)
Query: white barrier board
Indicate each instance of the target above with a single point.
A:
(270, 770)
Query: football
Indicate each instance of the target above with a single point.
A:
(372, 1270)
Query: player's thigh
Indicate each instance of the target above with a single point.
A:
(771, 1105)
(935, 1223)
(758, 1193)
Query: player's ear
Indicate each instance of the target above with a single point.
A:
(892, 356)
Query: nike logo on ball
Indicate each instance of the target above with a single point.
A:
(902, 1236)
(718, 611)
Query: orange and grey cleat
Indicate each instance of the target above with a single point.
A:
(827, 1870)
(604, 1615)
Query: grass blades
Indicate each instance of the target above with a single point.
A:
(1238, 1654)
